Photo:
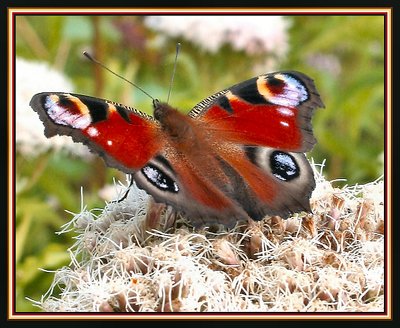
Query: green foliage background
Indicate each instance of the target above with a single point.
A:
(343, 54)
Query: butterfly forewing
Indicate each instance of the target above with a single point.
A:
(272, 110)
(115, 132)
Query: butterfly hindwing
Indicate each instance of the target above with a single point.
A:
(259, 181)
(115, 132)
(291, 183)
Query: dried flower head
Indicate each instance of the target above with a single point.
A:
(126, 266)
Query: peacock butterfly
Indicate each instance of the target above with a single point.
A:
(238, 154)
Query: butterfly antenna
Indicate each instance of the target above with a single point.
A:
(178, 47)
(120, 76)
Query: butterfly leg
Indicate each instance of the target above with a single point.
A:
(127, 190)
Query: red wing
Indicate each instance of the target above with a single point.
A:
(271, 110)
(125, 138)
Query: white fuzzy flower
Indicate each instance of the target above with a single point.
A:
(252, 34)
(119, 264)
(31, 78)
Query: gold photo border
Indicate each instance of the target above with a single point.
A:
(387, 12)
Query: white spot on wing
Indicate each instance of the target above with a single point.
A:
(284, 111)
(93, 132)
(109, 142)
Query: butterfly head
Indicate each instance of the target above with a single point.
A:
(163, 112)
(160, 110)
(178, 127)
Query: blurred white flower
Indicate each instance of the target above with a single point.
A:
(31, 78)
(252, 34)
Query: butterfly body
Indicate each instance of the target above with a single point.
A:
(238, 154)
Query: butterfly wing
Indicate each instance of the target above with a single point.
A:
(115, 132)
(272, 110)
(283, 186)
(260, 128)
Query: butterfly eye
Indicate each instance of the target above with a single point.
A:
(284, 166)
(159, 179)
